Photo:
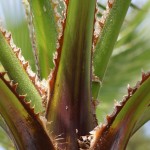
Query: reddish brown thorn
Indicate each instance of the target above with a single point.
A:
(110, 4)
(67, 2)
(3, 32)
(25, 65)
(17, 52)
(109, 119)
(33, 78)
(2, 74)
(129, 90)
(14, 86)
(101, 24)
(22, 97)
(145, 76)
(8, 37)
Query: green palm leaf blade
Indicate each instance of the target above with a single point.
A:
(125, 119)
(21, 39)
(142, 120)
(107, 40)
(17, 72)
(45, 27)
(130, 56)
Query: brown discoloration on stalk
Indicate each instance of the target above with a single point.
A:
(25, 126)
(70, 100)
(22, 98)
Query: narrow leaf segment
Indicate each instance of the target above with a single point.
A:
(45, 34)
(16, 70)
(110, 23)
(125, 119)
(27, 131)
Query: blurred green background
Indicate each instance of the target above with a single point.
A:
(130, 57)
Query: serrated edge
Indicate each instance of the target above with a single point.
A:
(25, 103)
(22, 98)
(60, 17)
(100, 130)
(56, 59)
(99, 22)
(29, 18)
(98, 26)
(41, 86)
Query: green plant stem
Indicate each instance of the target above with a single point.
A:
(17, 73)
(107, 40)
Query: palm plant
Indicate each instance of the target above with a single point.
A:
(54, 108)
